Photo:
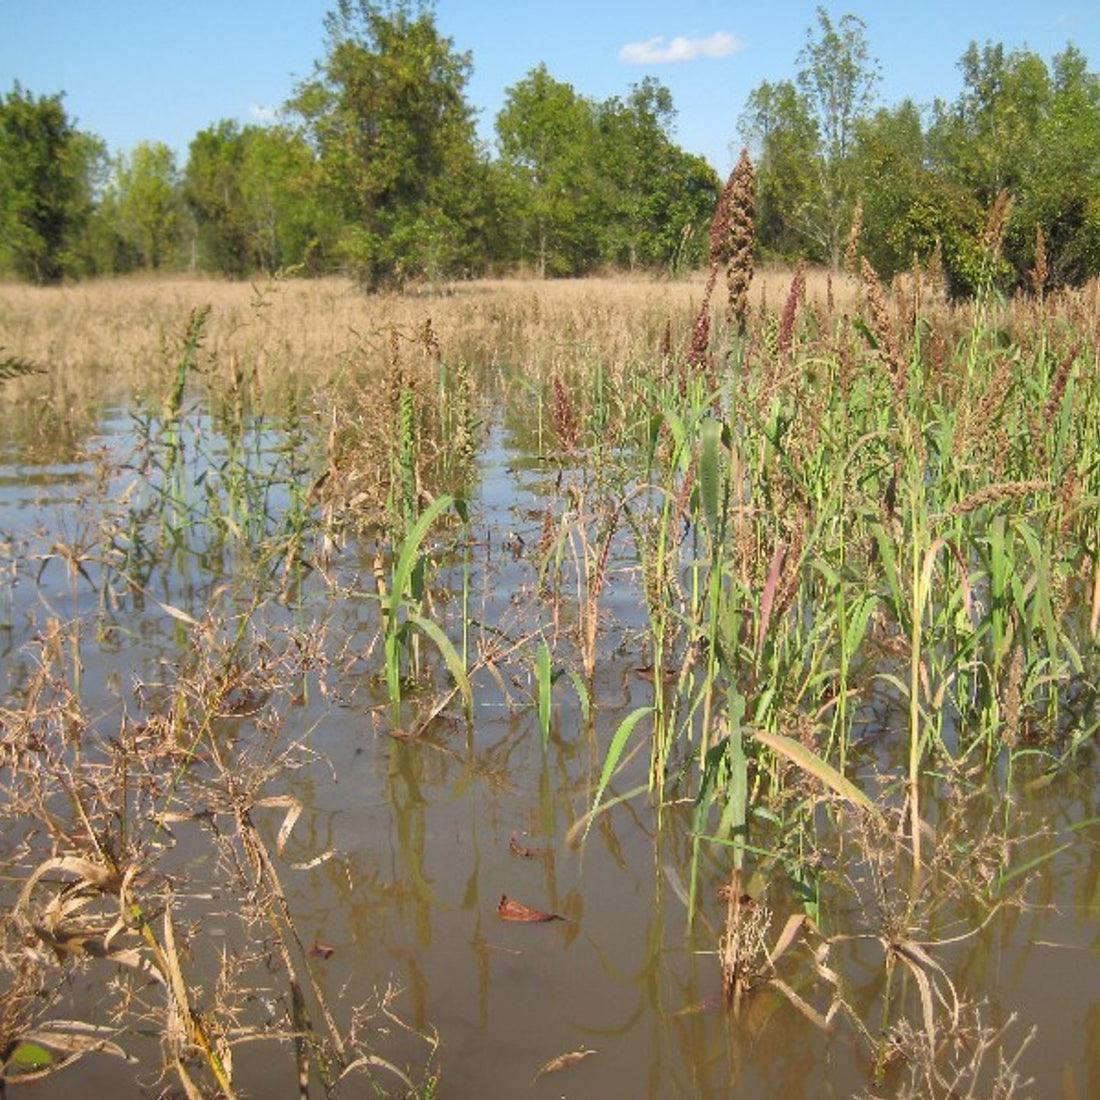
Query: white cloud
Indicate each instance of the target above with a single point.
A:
(262, 113)
(658, 49)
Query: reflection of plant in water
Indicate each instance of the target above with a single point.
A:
(930, 1040)
(404, 601)
(971, 1062)
(923, 1016)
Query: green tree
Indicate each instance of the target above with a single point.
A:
(212, 191)
(589, 183)
(47, 167)
(394, 135)
(284, 221)
(909, 211)
(546, 133)
(804, 134)
(779, 129)
(838, 79)
(988, 136)
(1032, 132)
(658, 200)
(1064, 194)
(255, 198)
(896, 223)
(146, 202)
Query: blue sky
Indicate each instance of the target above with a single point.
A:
(165, 69)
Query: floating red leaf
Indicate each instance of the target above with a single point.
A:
(321, 951)
(510, 909)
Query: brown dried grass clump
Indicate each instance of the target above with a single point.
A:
(94, 898)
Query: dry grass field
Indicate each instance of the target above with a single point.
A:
(119, 328)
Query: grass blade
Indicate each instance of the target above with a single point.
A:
(812, 764)
(614, 755)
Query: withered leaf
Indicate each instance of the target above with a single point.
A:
(563, 1061)
(510, 909)
(321, 951)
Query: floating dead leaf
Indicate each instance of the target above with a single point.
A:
(321, 951)
(510, 909)
(563, 1061)
(523, 851)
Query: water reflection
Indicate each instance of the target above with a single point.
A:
(432, 829)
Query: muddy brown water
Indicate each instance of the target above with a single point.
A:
(428, 834)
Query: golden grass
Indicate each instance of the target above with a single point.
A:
(123, 329)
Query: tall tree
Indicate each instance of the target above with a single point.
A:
(1032, 132)
(546, 133)
(910, 211)
(839, 79)
(255, 198)
(988, 135)
(147, 201)
(658, 200)
(212, 190)
(778, 128)
(284, 221)
(1064, 199)
(804, 134)
(46, 170)
(387, 115)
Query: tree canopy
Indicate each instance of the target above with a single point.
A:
(374, 168)
(387, 118)
(47, 172)
(1022, 135)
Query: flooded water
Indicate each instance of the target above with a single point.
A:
(427, 823)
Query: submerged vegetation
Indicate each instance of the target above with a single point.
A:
(800, 586)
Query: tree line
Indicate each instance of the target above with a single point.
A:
(376, 170)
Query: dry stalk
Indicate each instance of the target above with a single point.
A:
(795, 296)
(748, 964)
(563, 417)
(879, 322)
